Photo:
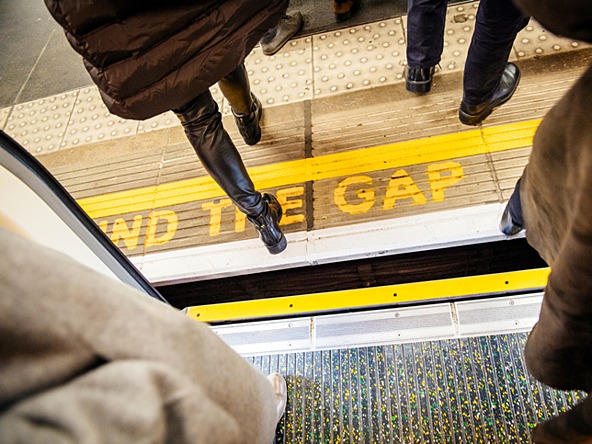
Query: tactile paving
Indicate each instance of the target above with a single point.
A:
(283, 77)
(4, 113)
(358, 57)
(344, 60)
(40, 126)
(535, 41)
(162, 121)
(92, 122)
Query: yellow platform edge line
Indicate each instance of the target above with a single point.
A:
(385, 296)
(396, 155)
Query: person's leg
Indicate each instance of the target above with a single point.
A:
(246, 108)
(425, 41)
(218, 154)
(488, 77)
(203, 126)
(237, 90)
(512, 221)
(496, 26)
(425, 32)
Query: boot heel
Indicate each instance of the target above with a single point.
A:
(267, 224)
(281, 246)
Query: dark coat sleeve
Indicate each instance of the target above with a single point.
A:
(557, 206)
(567, 18)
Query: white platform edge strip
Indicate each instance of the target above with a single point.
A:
(477, 224)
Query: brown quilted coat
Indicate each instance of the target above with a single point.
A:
(556, 196)
(148, 57)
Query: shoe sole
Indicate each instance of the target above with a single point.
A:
(476, 119)
(418, 87)
(279, 247)
(511, 230)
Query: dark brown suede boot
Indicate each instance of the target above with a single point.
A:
(344, 9)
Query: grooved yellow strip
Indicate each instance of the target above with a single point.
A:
(395, 155)
(372, 297)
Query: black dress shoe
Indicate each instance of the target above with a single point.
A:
(267, 224)
(275, 38)
(248, 124)
(507, 225)
(419, 80)
(475, 114)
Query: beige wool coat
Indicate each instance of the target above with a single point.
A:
(556, 197)
(87, 359)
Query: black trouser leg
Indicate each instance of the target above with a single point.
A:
(216, 151)
(515, 206)
(236, 89)
(496, 26)
(425, 32)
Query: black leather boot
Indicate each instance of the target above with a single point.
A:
(267, 224)
(475, 114)
(419, 80)
(248, 124)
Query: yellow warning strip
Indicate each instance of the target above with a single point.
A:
(372, 297)
(396, 155)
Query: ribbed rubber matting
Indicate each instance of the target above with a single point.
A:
(471, 390)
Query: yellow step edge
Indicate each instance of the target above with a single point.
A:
(385, 296)
(396, 155)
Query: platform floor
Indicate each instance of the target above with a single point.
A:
(362, 167)
(32, 42)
